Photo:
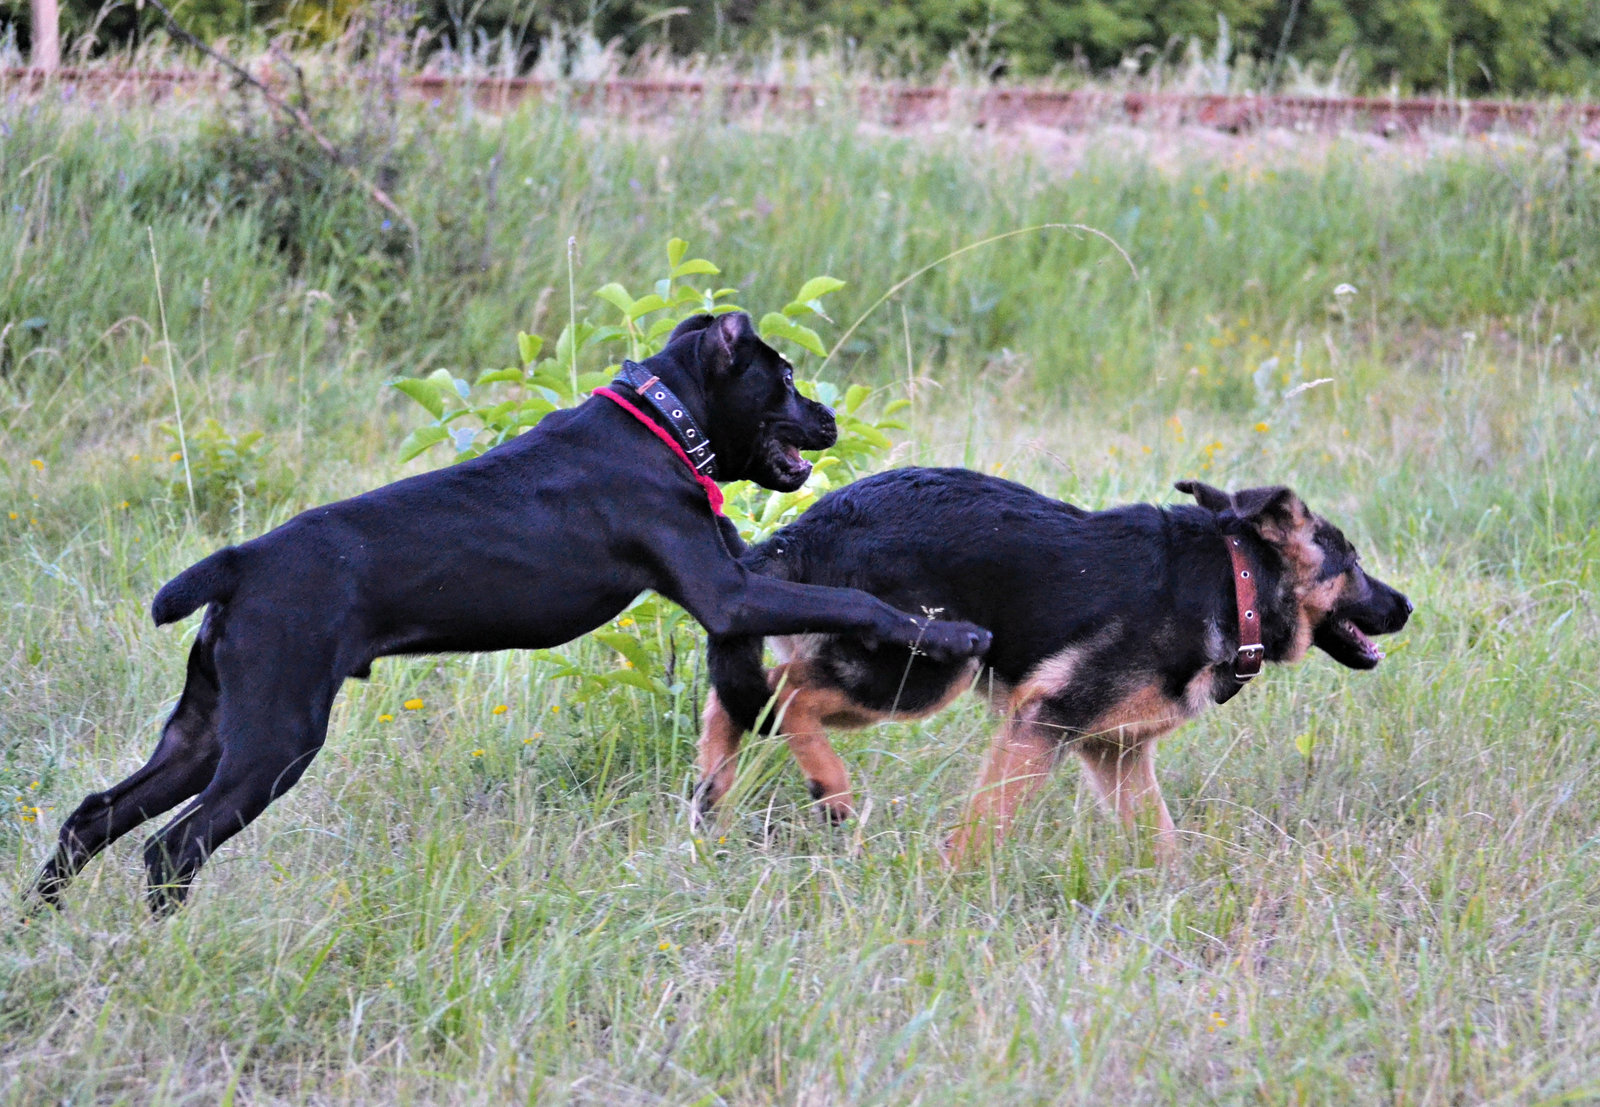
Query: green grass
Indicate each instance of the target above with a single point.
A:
(461, 906)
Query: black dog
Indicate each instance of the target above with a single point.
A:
(530, 545)
(1110, 628)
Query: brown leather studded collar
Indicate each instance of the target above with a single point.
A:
(1247, 661)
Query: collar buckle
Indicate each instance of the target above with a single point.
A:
(1247, 661)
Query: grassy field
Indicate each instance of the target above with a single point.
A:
(1391, 884)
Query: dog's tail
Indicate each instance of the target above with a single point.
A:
(209, 580)
(741, 681)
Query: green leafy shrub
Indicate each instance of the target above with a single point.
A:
(468, 418)
(471, 417)
(223, 466)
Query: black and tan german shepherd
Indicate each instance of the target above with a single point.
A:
(1111, 628)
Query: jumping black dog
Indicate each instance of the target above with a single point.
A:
(1110, 628)
(530, 545)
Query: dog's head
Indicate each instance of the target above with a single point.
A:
(1338, 606)
(758, 423)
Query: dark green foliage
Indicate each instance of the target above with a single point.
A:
(1477, 47)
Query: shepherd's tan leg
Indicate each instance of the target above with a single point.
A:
(717, 758)
(1124, 778)
(1019, 761)
(800, 721)
(826, 777)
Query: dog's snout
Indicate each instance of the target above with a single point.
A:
(1406, 600)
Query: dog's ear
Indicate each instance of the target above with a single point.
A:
(724, 340)
(1274, 512)
(692, 325)
(1212, 499)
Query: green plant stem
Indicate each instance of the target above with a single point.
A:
(172, 372)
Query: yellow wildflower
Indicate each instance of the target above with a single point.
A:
(412, 705)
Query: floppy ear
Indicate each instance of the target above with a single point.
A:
(724, 338)
(691, 325)
(1212, 499)
(1273, 512)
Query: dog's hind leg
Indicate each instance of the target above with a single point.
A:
(270, 729)
(1025, 750)
(717, 757)
(184, 760)
(799, 720)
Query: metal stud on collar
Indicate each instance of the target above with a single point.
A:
(678, 420)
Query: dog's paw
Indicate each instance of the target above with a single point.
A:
(835, 804)
(700, 804)
(950, 641)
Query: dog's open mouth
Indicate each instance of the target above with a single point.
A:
(788, 468)
(1357, 641)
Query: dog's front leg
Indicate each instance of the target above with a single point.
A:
(1019, 762)
(729, 600)
(1124, 779)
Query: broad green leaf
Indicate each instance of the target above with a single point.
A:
(614, 293)
(774, 325)
(528, 347)
(854, 395)
(675, 250)
(420, 439)
(628, 646)
(817, 286)
(499, 413)
(872, 435)
(695, 267)
(808, 338)
(493, 376)
(425, 392)
(645, 305)
(636, 679)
